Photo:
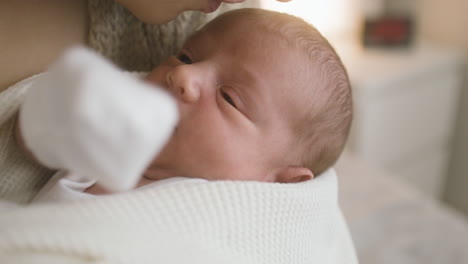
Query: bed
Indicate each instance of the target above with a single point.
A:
(392, 223)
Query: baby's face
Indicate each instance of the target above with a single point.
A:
(236, 93)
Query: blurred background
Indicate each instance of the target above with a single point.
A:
(404, 176)
(421, 129)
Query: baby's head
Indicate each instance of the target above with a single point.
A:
(262, 96)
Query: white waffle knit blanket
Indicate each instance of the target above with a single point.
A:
(203, 221)
(179, 222)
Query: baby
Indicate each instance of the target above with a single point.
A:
(261, 96)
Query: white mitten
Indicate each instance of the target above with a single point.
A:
(88, 117)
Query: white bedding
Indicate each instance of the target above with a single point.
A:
(251, 221)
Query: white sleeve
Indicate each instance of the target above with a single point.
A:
(63, 187)
(89, 118)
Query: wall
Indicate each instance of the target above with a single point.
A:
(444, 22)
(335, 19)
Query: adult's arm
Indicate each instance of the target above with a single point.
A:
(34, 33)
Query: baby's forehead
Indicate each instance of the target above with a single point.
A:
(272, 30)
(281, 39)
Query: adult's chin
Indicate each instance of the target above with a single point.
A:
(212, 5)
(233, 1)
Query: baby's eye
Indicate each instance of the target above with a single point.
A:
(184, 58)
(228, 99)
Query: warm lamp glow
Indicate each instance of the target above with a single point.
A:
(333, 18)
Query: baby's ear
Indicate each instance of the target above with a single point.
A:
(293, 174)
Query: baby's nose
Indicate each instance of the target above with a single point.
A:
(184, 84)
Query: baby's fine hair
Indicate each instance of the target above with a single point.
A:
(323, 127)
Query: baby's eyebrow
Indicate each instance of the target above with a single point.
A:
(247, 76)
(250, 92)
(191, 44)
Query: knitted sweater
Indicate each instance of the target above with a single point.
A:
(132, 44)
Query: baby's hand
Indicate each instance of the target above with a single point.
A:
(88, 117)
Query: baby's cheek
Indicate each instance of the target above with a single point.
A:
(153, 76)
(157, 76)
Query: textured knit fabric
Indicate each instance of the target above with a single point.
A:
(263, 223)
(134, 45)
(20, 178)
